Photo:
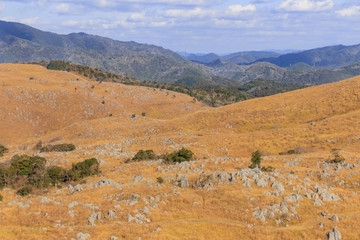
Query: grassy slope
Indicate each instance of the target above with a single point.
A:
(48, 107)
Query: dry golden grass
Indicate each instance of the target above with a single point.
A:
(38, 104)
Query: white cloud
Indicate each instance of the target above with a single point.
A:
(2, 6)
(306, 5)
(239, 8)
(63, 8)
(230, 11)
(350, 11)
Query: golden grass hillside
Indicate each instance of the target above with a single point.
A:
(215, 196)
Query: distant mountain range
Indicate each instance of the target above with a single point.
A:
(19, 42)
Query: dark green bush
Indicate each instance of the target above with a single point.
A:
(255, 159)
(58, 148)
(25, 165)
(3, 150)
(337, 159)
(24, 191)
(1, 198)
(180, 156)
(267, 169)
(160, 180)
(26, 172)
(56, 174)
(144, 155)
(83, 169)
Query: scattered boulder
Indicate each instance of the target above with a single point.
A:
(334, 235)
(93, 217)
(335, 218)
(82, 236)
(138, 179)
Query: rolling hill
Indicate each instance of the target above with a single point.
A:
(302, 194)
(327, 57)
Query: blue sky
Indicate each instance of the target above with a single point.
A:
(220, 26)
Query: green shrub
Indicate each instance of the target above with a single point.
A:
(25, 165)
(3, 150)
(58, 148)
(255, 159)
(24, 191)
(1, 198)
(180, 156)
(56, 174)
(83, 169)
(267, 169)
(337, 158)
(144, 155)
(160, 180)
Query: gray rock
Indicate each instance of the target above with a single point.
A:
(259, 215)
(45, 200)
(182, 180)
(71, 213)
(293, 198)
(138, 179)
(93, 217)
(82, 236)
(318, 202)
(223, 176)
(325, 196)
(334, 218)
(321, 225)
(73, 204)
(78, 188)
(114, 238)
(233, 178)
(261, 182)
(105, 182)
(111, 213)
(278, 186)
(334, 235)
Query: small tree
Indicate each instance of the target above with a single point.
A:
(255, 159)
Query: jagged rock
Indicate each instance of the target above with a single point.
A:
(261, 182)
(111, 213)
(45, 200)
(325, 196)
(223, 176)
(105, 182)
(334, 235)
(318, 202)
(78, 188)
(321, 225)
(293, 198)
(71, 213)
(323, 214)
(93, 217)
(114, 238)
(82, 236)
(334, 218)
(278, 186)
(259, 215)
(182, 180)
(233, 178)
(138, 179)
(73, 204)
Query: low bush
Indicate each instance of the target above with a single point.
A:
(58, 148)
(144, 155)
(1, 198)
(26, 172)
(84, 169)
(160, 180)
(24, 191)
(337, 159)
(180, 156)
(268, 169)
(3, 150)
(255, 159)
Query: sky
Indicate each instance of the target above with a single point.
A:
(198, 26)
